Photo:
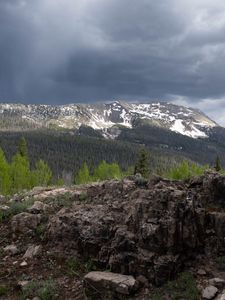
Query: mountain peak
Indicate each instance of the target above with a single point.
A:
(183, 120)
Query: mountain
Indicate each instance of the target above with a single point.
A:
(107, 118)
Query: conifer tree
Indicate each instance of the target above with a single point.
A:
(5, 179)
(20, 173)
(217, 164)
(142, 164)
(83, 175)
(42, 174)
(22, 147)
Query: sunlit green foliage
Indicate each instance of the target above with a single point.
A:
(186, 170)
(83, 175)
(103, 171)
(17, 175)
(42, 174)
(5, 178)
(106, 171)
(20, 173)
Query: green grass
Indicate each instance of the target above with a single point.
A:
(76, 267)
(73, 266)
(184, 287)
(45, 290)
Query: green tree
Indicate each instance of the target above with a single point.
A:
(106, 171)
(42, 174)
(22, 147)
(20, 173)
(83, 175)
(217, 164)
(186, 170)
(5, 179)
(142, 164)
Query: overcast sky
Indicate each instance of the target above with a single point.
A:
(62, 51)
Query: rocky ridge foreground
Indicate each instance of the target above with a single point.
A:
(149, 231)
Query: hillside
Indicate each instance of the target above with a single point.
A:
(143, 233)
(66, 136)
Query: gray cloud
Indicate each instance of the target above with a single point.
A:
(57, 51)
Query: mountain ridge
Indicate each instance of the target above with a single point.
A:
(104, 116)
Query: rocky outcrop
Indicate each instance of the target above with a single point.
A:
(149, 230)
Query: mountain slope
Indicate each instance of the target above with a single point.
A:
(104, 117)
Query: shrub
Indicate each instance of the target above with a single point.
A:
(186, 170)
(45, 290)
(15, 208)
(184, 287)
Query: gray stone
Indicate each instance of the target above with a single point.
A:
(37, 207)
(32, 251)
(4, 207)
(221, 296)
(218, 282)
(24, 222)
(209, 292)
(201, 272)
(23, 264)
(107, 281)
(11, 249)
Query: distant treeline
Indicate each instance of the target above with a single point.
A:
(66, 154)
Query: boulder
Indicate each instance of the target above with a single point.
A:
(11, 249)
(217, 282)
(209, 292)
(109, 284)
(37, 207)
(221, 296)
(24, 222)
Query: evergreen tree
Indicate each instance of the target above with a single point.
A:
(83, 175)
(217, 164)
(20, 173)
(42, 174)
(23, 151)
(142, 164)
(5, 179)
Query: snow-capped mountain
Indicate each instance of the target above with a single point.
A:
(104, 117)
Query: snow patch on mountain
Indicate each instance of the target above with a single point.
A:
(104, 116)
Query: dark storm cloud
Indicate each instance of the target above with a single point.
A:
(57, 51)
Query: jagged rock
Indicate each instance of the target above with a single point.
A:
(151, 230)
(37, 207)
(221, 296)
(11, 249)
(201, 272)
(4, 207)
(22, 284)
(23, 264)
(209, 292)
(107, 283)
(32, 251)
(24, 222)
(218, 282)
